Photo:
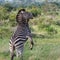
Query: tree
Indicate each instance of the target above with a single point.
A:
(8, 6)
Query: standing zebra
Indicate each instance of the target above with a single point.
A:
(26, 17)
(21, 34)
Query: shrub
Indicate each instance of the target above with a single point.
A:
(3, 13)
(51, 30)
(57, 22)
(4, 32)
(35, 11)
(12, 18)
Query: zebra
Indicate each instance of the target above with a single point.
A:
(26, 17)
(21, 35)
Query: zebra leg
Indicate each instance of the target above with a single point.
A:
(19, 53)
(31, 42)
(12, 55)
(31, 46)
(21, 57)
(12, 52)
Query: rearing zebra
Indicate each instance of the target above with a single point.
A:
(21, 34)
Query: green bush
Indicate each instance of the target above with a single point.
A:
(51, 30)
(57, 22)
(3, 13)
(4, 32)
(35, 11)
(8, 6)
(12, 18)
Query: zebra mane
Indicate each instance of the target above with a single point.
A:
(20, 11)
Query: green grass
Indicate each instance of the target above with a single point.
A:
(44, 49)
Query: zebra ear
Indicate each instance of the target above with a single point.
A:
(21, 10)
(19, 16)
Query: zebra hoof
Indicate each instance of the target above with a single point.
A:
(31, 48)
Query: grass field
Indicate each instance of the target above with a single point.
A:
(45, 25)
(44, 49)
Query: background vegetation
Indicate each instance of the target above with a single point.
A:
(45, 29)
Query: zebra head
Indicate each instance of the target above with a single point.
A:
(27, 15)
(23, 15)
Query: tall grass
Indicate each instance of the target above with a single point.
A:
(46, 29)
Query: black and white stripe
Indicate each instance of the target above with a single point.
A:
(17, 41)
(20, 36)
